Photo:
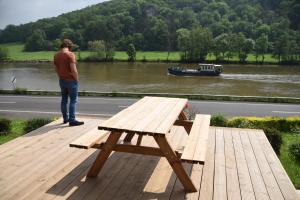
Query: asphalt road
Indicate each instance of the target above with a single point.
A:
(44, 106)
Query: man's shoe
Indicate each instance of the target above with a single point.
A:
(75, 123)
(66, 121)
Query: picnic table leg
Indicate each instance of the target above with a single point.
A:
(128, 137)
(104, 154)
(175, 163)
(182, 116)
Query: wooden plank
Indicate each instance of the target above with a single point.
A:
(17, 144)
(90, 138)
(168, 122)
(104, 154)
(233, 188)
(84, 188)
(151, 151)
(200, 152)
(72, 168)
(196, 176)
(287, 188)
(162, 180)
(160, 115)
(258, 184)
(195, 150)
(270, 181)
(107, 189)
(175, 164)
(187, 124)
(246, 187)
(38, 164)
(220, 186)
(207, 186)
(118, 119)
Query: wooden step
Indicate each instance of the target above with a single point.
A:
(195, 148)
(90, 138)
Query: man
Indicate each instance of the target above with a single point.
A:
(65, 67)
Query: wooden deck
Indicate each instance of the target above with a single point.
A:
(240, 164)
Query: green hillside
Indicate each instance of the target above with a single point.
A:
(156, 25)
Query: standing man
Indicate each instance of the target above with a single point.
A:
(65, 67)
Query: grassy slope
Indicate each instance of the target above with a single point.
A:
(16, 53)
(17, 130)
(290, 165)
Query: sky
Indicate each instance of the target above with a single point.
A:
(22, 11)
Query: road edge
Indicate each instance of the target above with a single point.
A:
(179, 95)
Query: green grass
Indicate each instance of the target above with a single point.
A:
(290, 165)
(16, 53)
(17, 129)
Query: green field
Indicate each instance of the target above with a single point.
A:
(16, 53)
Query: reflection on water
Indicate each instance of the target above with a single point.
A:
(152, 77)
(264, 78)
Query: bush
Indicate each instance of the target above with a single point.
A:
(20, 90)
(4, 126)
(218, 120)
(35, 124)
(3, 53)
(275, 138)
(241, 123)
(294, 150)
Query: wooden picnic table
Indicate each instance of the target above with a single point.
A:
(154, 117)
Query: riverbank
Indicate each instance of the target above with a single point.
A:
(16, 54)
(21, 91)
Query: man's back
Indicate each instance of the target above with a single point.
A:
(62, 61)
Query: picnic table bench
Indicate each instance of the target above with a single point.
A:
(154, 117)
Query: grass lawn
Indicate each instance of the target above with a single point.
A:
(290, 165)
(16, 53)
(17, 129)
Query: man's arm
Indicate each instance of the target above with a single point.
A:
(74, 71)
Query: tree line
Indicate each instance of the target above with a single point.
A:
(194, 27)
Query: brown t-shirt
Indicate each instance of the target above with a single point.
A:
(62, 61)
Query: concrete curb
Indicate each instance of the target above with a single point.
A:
(180, 95)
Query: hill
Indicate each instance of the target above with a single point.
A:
(154, 24)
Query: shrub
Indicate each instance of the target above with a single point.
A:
(33, 124)
(275, 138)
(218, 120)
(20, 90)
(3, 53)
(240, 123)
(4, 126)
(294, 150)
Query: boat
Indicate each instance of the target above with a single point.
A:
(201, 70)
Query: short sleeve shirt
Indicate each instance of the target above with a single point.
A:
(62, 61)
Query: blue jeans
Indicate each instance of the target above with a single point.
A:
(69, 88)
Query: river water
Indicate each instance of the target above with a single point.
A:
(253, 80)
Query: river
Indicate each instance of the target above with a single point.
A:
(249, 80)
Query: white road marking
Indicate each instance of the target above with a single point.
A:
(236, 103)
(8, 102)
(54, 113)
(286, 112)
(122, 106)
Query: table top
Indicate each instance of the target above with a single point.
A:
(150, 115)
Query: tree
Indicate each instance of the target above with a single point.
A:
(220, 46)
(200, 44)
(183, 42)
(97, 48)
(37, 41)
(131, 53)
(3, 53)
(261, 47)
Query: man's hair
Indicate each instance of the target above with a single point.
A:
(66, 43)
